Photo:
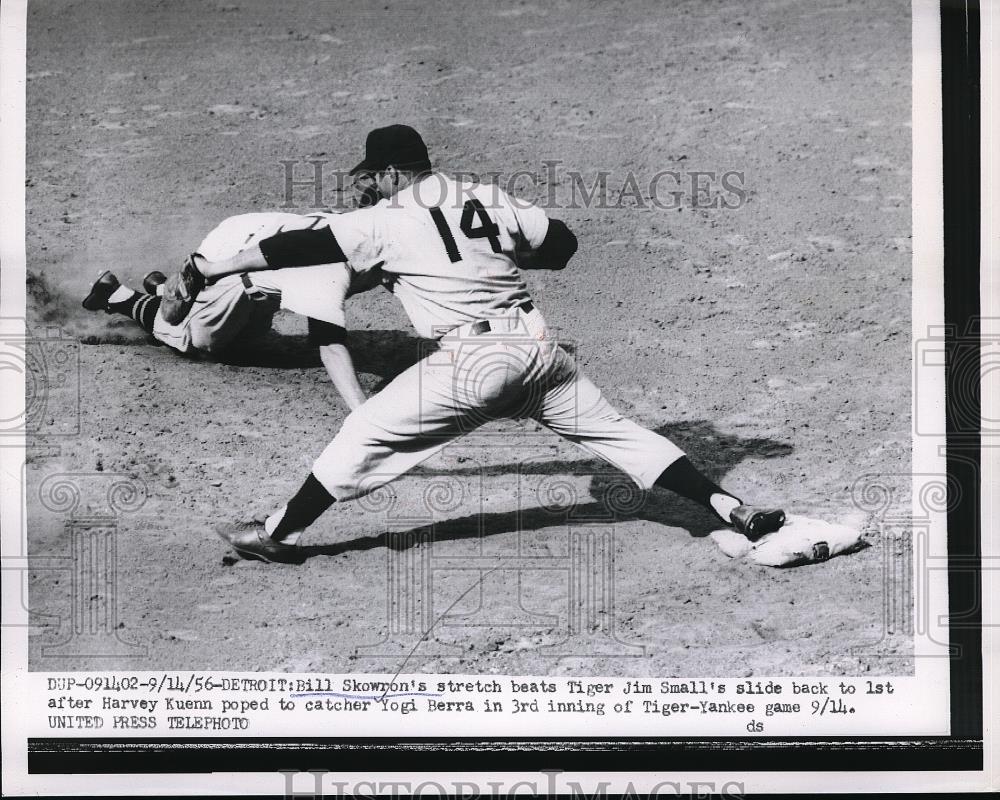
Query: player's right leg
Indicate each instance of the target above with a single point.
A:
(109, 295)
(577, 410)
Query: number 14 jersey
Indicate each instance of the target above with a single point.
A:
(446, 248)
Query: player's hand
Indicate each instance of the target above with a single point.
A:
(203, 266)
(182, 289)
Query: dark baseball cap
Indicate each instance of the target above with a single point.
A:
(398, 145)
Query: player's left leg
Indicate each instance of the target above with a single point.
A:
(577, 410)
(378, 442)
(424, 408)
(109, 295)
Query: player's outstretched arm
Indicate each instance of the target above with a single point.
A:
(337, 360)
(249, 260)
(340, 368)
(298, 248)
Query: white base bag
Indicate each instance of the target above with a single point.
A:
(801, 540)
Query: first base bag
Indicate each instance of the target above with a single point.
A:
(802, 540)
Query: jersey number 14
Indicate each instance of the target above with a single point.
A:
(473, 211)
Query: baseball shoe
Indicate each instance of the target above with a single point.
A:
(151, 280)
(754, 521)
(101, 291)
(250, 541)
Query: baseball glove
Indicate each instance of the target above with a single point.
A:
(181, 290)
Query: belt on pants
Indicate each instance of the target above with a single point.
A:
(484, 326)
(252, 291)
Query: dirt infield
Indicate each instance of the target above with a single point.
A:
(771, 340)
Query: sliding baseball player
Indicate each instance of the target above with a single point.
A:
(239, 308)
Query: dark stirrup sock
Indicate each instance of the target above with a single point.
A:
(140, 307)
(304, 509)
(681, 477)
(145, 313)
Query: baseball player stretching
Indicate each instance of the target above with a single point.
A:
(449, 251)
(237, 308)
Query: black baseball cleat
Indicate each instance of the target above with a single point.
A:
(151, 280)
(101, 291)
(754, 521)
(250, 541)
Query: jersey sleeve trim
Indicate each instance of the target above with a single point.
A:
(302, 248)
(558, 246)
(322, 333)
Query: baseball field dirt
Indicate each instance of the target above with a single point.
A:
(769, 336)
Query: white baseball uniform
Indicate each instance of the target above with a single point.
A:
(238, 307)
(449, 256)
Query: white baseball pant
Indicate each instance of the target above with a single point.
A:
(513, 370)
(222, 313)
